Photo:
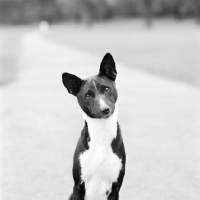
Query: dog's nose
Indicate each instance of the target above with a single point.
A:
(105, 111)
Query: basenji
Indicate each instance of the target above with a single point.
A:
(99, 158)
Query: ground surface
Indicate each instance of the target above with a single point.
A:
(41, 123)
(170, 49)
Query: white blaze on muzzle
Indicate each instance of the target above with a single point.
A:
(102, 104)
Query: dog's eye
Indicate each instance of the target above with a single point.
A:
(87, 96)
(106, 89)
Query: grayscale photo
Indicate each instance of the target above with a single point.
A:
(99, 99)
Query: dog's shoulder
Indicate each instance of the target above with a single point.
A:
(117, 143)
(82, 146)
(119, 149)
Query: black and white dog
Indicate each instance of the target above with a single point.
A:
(99, 158)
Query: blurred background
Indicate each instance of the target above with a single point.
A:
(27, 11)
(156, 47)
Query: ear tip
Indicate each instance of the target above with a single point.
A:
(64, 74)
(108, 55)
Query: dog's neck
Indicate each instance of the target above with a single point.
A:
(100, 166)
(104, 129)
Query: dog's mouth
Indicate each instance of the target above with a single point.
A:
(106, 113)
(101, 116)
(105, 116)
(99, 113)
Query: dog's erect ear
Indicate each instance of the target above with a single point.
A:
(72, 83)
(107, 67)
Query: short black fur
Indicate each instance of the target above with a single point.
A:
(72, 83)
(107, 67)
(118, 148)
(82, 145)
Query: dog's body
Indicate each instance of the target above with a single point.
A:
(99, 158)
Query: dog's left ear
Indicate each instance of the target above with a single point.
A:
(107, 67)
(72, 83)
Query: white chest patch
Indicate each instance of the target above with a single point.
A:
(100, 167)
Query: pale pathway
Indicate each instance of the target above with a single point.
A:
(160, 122)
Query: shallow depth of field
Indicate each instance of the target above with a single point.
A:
(158, 83)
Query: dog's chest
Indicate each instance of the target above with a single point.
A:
(100, 167)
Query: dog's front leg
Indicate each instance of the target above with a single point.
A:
(78, 193)
(114, 195)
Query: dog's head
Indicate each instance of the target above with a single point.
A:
(96, 95)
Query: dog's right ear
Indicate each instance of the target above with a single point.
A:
(72, 83)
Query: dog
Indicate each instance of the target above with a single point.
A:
(99, 158)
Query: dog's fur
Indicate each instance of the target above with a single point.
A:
(99, 158)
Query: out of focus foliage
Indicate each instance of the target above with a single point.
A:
(26, 11)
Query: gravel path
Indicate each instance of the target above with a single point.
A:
(160, 120)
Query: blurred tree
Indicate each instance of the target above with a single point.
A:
(177, 9)
(197, 10)
(126, 8)
(148, 12)
(86, 11)
(69, 9)
(104, 9)
(26, 11)
(48, 10)
(101, 9)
